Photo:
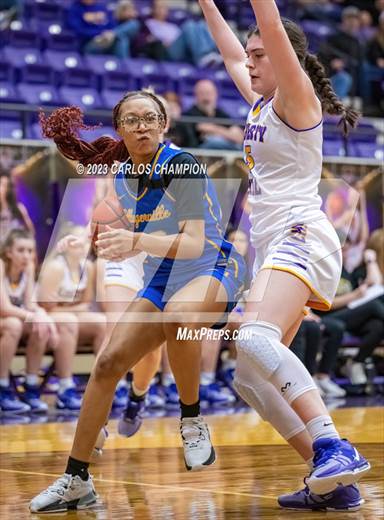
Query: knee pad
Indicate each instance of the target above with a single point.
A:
(272, 361)
(263, 397)
(258, 341)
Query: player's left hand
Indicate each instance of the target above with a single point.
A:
(115, 244)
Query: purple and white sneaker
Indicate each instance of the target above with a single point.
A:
(132, 418)
(335, 462)
(343, 498)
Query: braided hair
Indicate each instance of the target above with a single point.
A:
(330, 103)
(63, 127)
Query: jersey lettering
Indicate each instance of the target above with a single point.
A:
(254, 132)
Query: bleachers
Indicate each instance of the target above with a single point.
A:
(40, 64)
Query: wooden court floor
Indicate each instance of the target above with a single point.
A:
(144, 478)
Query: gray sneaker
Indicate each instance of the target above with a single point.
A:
(198, 450)
(67, 493)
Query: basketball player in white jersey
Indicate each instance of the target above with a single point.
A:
(298, 259)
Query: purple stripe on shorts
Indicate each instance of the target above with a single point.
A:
(296, 245)
(291, 253)
(289, 263)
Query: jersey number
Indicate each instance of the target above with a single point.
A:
(253, 187)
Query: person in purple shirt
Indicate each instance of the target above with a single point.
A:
(89, 18)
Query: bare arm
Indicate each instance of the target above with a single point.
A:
(49, 283)
(27, 219)
(364, 229)
(294, 88)
(89, 292)
(345, 299)
(6, 306)
(230, 48)
(187, 244)
(30, 289)
(374, 275)
(121, 243)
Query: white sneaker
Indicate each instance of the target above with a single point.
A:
(355, 372)
(321, 391)
(67, 493)
(198, 450)
(329, 388)
(100, 441)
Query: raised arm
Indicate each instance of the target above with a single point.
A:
(294, 87)
(230, 48)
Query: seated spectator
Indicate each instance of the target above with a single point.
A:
(67, 284)
(346, 208)
(118, 40)
(366, 320)
(21, 318)
(375, 56)
(343, 54)
(13, 214)
(306, 343)
(191, 42)
(367, 31)
(173, 132)
(89, 18)
(375, 50)
(210, 135)
(332, 331)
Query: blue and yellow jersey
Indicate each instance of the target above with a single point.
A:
(174, 188)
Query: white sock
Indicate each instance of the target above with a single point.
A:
(167, 379)
(122, 382)
(32, 379)
(207, 378)
(4, 382)
(322, 427)
(138, 392)
(64, 383)
(228, 363)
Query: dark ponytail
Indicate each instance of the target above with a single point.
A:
(329, 100)
(63, 127)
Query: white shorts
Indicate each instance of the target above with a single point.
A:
(312, 252)
(128, 273)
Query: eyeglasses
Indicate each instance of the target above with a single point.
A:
(132, 123)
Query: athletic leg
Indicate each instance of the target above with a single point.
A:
(275, 363)
(188, 307)
(121, 354)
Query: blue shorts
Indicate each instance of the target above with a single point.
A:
(231, 276)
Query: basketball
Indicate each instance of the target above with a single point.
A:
(108, 213)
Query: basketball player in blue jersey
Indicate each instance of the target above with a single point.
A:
(192, 276)
(298, 260)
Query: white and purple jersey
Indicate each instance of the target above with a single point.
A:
(288, 229)
(285, 169)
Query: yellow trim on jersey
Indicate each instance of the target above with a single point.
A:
(322, 305)
(215, 246)
(161, 148)
(210, 209)
(257, 110)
